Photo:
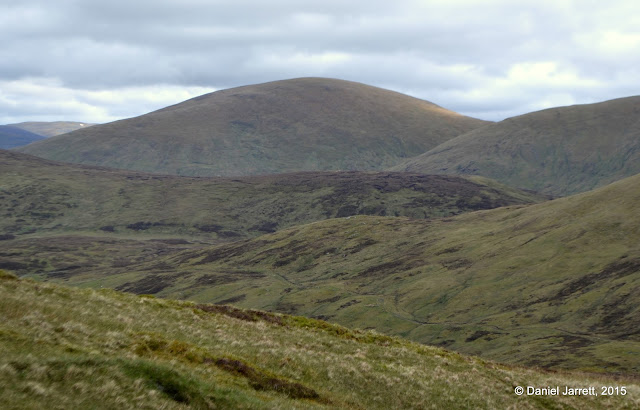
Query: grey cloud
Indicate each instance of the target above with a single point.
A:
(458, 54)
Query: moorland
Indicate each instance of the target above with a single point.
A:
(316, 242)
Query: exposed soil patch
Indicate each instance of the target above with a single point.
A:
(347, 210)
(287, 307)
(481, 333)
(367, 242)
(618, 318)
(261, 380)
(150, 284)
(267, 227)
(349, 303)
(330, 300)
(571, 342)
(283, 262)
(233, 299)
(449, 250)
(228, 251)
(219, 278)
(242, 314)
(385, 268)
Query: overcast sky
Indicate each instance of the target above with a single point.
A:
(99, 61)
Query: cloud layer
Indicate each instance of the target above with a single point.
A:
(106, 60)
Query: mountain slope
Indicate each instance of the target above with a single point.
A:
(12, 137)
(558, 151)
(552, 284)
(38, 195)
(76, 348)
(306, 124)
(51, 128)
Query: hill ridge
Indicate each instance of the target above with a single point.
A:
(312, 124)
(549, 284)
(41, 195)
(12, 137)
(559, 151)
(51, 128)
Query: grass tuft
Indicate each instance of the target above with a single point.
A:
(4, 275)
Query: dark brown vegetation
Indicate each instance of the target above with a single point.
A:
(38, 195)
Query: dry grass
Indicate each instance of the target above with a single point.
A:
(101, 349)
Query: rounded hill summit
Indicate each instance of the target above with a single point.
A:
(305, 124)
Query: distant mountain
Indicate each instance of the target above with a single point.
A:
(11, 137)
(50, 129)
(305, 124)
(39, 195)
(558, 151)
(553, 284)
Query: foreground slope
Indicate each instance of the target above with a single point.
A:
(51, 128)
(553, 284)
(558, 151)
(306, 124)
(38, 195)
(73, 348)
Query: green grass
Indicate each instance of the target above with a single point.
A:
(549, 285)
(81, 348)
(559, 151)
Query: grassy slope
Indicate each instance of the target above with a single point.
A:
(72, 348)
(38, 195)
(51, 128)
(553, 284)
(559, 151)
(307, 124)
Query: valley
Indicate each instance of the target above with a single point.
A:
(328, 238)
(501, 283)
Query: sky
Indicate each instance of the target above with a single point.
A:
(99, 61)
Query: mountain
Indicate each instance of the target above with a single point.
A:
(51, 128)
(11, 137)
(558, 151)
(39, 195)
(81, 348)
(552, 284)
(305, 124)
